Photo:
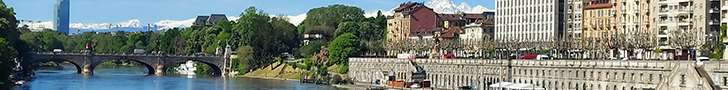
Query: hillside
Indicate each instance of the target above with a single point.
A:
(276, 70)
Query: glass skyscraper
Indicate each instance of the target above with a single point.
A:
(61, 16)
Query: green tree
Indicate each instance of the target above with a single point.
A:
(50, 41)
(301, 28)
(170, 41)
(254, 29)
(312, 48)
(286, 30)
(202, 69)
(153, 41)
(369, 31)
(101, 43)
(723, 28)
(7, 62)
(117, 42)
(347, 27)
(332, 15)
(245, 56)
(342, 48)
(82, 39)
(8, 24)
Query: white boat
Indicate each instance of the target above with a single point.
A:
(187, 68)
(21, 82)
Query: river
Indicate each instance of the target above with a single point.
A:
(134, 78)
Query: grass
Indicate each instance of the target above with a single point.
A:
(271, 71)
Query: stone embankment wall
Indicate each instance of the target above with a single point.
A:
(550, 74)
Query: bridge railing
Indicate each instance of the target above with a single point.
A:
(632, 64)
(124, 54)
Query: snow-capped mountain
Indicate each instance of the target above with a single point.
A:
(131, 23)
(439, 6)
(447, 6)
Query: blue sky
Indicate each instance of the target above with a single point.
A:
(150, 11)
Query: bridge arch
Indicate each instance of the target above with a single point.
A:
(216, 70)
(148, 65)
(57, 62)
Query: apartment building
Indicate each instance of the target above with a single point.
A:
(598, 19)
(632, 16)
(411, 20)
(724, 11)
(574, 18)
(702, 17)
(631, 19)
(531, 20)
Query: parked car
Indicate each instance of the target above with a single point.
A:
(449, 56)
(536, 57)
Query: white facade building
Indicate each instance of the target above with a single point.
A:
(531, 20)
(700, 16)
(574, 18)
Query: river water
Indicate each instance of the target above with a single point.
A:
(134, 78)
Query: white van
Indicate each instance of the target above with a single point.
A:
(699, 60)
(57, 50)
(542, 57)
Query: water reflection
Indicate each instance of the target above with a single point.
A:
(121, 80)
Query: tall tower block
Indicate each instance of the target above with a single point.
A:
(61, 16)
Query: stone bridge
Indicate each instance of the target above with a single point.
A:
(155, 63)
(551, 74)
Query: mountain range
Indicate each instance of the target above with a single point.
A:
(439, 6)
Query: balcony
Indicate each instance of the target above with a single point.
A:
(714, 22)
(661, 24)
(714, 10)
(684, 1)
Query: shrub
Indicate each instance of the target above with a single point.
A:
(342, 47)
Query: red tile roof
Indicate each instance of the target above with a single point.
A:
(447, 17)
(450, 33)
(475, 16)
(412, 6)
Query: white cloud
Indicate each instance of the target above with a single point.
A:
(295, 20)
(374, 13)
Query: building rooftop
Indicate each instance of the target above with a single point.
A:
(451, 32)
(209, 20)
(410, 6)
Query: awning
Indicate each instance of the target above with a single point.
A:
(525, 87)
(501, 84)
(518, 86)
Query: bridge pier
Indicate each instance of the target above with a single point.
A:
(159, 70)
(86, 69)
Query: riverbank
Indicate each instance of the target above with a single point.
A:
(273, 78)
(366, 86)
(276, 70)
